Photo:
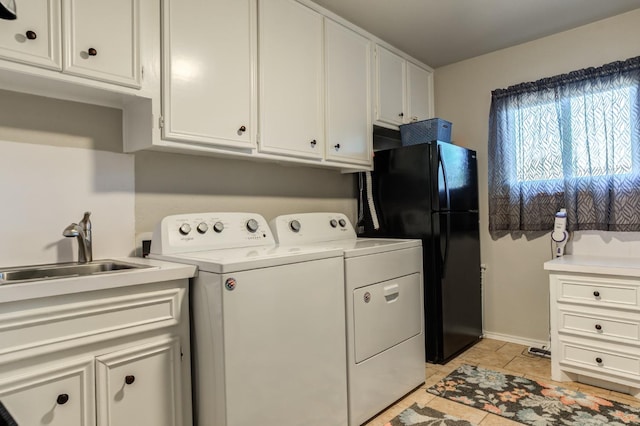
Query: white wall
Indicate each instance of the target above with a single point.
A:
(55, 164)
(172, 183)
(515, 285)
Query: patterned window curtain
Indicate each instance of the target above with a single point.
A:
(570, 141)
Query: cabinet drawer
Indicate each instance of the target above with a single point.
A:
(598, 291)
(599, 326)
(118, 316)
(604, 361)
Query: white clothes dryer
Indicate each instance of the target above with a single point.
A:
(268, 326)
(384, 307)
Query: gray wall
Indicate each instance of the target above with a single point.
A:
(515, 285)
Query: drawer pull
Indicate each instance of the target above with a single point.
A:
(599, 360)
(596, 293)
(31, 35)
(92, 52)
(313, 143)
(598, 327)
(62, 399)
(129, 379)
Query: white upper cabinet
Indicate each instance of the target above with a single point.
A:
(209, 85)
(34, 37)
(404, 90)
(291, 79)
(101, 40)
(391, 86)
(348, 101)
(419, 99)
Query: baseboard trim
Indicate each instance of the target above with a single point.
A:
(518, 340)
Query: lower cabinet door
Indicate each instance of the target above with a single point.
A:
(140, 385)
(58, 395)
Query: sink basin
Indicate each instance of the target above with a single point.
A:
(63, 270)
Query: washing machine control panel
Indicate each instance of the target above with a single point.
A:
(185, 233)
(304, 228)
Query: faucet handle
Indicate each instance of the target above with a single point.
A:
(85, 222)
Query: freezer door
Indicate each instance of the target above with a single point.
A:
(458, 292)
(457, 178)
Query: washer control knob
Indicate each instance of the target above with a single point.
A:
(202, 227)
(252, 225)
(294, 225)
(333, 223)
(184, 229)
(342, 223)
(218, 227)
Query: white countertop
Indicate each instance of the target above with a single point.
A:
(159, 271)
(624, 266)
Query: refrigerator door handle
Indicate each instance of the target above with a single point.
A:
(445, 250)
(444, 179)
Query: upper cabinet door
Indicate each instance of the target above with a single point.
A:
(291, 79)
(419, 89)
(391, 87)
(209, 71)
(101, 40)
(348, 119)
(34, 37)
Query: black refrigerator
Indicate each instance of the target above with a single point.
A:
(430, 192)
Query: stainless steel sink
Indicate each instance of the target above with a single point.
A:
(64, 270)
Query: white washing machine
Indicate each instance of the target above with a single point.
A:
(384, 307)
(268, 324)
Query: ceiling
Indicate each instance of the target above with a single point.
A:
(441, 32)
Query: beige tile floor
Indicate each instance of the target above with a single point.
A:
(497, 355)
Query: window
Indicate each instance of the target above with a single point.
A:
(570, 141)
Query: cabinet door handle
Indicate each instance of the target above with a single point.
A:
(241, 130)
(598, 327)
(92, 52)
(31, 35)
(313, 143)
(62, 398)
(401, 114)
(596, 293)
(129, 379)
(337, 146)
(599, 360)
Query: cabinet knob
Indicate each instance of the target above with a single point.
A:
(337, 146)
(241, 130)
(599, 360)
(596, 293)
(62, 398)
(92, 52)
(598, 327)
(129, 379)
(31, 35)
(401, 114)
(313, 143)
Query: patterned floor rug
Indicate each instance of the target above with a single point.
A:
(531, 402)
(425, 416)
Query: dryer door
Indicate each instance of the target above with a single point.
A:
(386, 314)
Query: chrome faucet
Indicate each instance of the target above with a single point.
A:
(82, 231)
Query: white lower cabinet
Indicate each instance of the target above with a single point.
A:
(130, 380)
(116, 357)
(595, 325)
(56, 394)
